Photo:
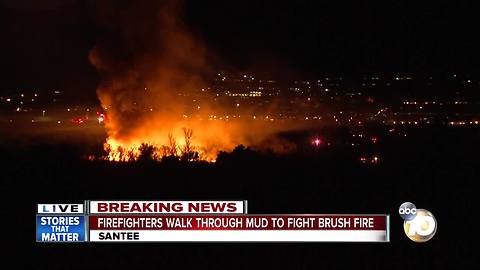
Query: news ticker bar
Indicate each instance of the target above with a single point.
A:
(198, 221)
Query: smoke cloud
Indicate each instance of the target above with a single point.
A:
(151, 68)
(146, 59)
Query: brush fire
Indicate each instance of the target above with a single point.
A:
(151, 67)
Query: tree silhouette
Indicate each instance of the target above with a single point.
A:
(147, 152)
(188, 150)
(172, 145)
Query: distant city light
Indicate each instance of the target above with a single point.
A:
(317, 142)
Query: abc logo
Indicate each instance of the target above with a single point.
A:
(407, 211)
(419, 224)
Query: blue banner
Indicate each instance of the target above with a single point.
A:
(60, 228)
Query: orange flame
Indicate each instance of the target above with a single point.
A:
(152, 70)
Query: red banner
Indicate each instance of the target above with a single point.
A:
(238, 222)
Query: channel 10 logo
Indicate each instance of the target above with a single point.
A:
(419, 224)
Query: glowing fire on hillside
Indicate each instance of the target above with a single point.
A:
(155, 144)
(151, 68)
(145, 61)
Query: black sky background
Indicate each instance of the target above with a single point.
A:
(45, 44)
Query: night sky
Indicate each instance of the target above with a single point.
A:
(45, 44)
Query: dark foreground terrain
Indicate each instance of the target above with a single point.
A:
(434, 168)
